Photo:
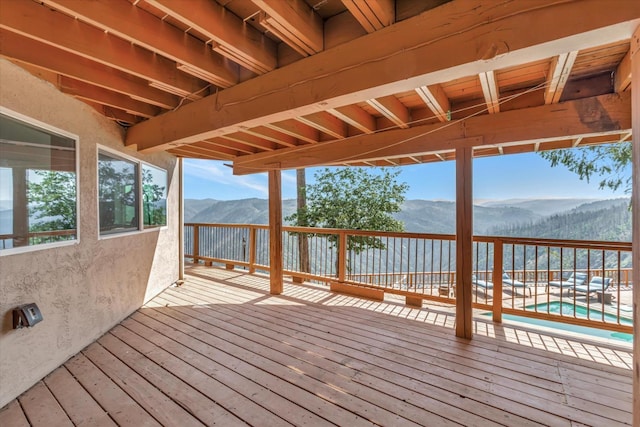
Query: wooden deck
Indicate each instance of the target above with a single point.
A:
(219, 350)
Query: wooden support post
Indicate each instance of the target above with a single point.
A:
(635, 199)
(497, 280)
(252, 249)
(180, 219)
(342, 256)
(275, 232)
(464, 241)
(196, 243)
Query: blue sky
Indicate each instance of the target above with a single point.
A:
(500, 177)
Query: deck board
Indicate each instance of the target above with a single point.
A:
(220, 350)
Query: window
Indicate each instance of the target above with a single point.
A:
(118, 194)
(38, 184)
(154, 196)
(122, 198)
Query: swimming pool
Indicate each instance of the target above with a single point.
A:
(568, 309)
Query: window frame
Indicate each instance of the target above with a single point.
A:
(139, 163)
(60, 132)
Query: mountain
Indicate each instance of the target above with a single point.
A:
(542, 207)
(569, 218)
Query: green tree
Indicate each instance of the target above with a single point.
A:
(52, 201)
(154, 200)
(353, 198)
(610, 162)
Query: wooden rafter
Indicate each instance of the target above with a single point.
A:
(373, 15)
(23, 49)
(296, 129)
(92, 43)
(392, 109)
(435, 98)
(622, 76)
(229, 36)
(558, 76)
(509, 127)
(327, 123)
(295, 23)
(140, 27)
(490, 91)
(339, 77)
(272, 135)
(356, 117)
(249, 140)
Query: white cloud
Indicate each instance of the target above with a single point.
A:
(218, 173)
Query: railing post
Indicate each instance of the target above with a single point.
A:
(497, 280)
(252, 249)
(196, 243)
(342, 256)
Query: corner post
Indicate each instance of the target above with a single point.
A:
(196, 243)
(275, 232)
(464, 241)
(635, 200)
(252, 248)
(342, 256)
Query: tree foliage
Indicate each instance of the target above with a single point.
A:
(353, 198)
(52, 201)
(610, 162)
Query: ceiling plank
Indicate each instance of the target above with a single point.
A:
(354, 72)
(356, 117)
(230, 36)
(295, 23)
(611, 114)
(373, 15)
(490, 91)
(435, 98)
(142, 28)
(89, 42)
(558, 76)
(327, 123)
(106, 97)
(113, 113)
(38, 54)
(391, 108)
(297, 130)
(622, 76)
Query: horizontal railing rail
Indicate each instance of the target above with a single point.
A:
(579, 282)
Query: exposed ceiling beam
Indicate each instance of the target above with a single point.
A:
(273, 135)
(35, 53)
(391, 108)
(295, 23)
(297, 130)
(250, 140)
(143, 29)
(355, 72)
(90, 42)
(558, 76)
(113, 113)
(241, 147)
(530, 125)
(106, 97)
(325, 122)
(373, 15)
(230, 36)
(356, 117)
(435, 98)
(622, 76)
(489, 86)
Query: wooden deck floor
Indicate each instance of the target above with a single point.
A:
(219, 350)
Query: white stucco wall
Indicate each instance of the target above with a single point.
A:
(84, 289)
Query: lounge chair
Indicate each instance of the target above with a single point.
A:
(576, 279)
(481, 283)
(515, 284)
(596, 284)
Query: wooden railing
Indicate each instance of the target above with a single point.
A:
(36, 237)
(538, 280)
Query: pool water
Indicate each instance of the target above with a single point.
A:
(568, 309)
